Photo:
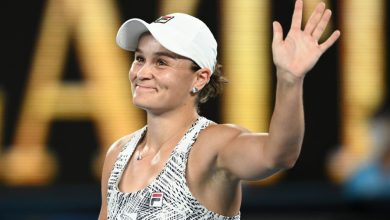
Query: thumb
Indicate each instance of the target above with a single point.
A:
(278, 32)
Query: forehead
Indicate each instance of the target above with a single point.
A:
(148, 43)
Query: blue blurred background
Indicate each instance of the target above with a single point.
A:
(65, 97)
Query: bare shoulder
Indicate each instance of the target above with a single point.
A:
(224, 131)
(117, 146)
(112, 154)
(203, 162)
(218, 135)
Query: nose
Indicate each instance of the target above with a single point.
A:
(145, 72)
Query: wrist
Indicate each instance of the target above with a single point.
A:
(288, 77)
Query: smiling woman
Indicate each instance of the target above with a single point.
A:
(160, 78)
(182, 165)
(166, 58)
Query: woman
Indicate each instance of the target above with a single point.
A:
(181, 165)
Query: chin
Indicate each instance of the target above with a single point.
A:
(145, 104)
(155, 107)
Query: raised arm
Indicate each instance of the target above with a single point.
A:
(253, 156)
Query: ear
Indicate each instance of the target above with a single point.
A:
(202, 77)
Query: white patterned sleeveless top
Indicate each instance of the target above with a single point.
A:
(168, 196)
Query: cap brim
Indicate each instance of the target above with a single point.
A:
(129, 33)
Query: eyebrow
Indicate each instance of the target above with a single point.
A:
(166, 53)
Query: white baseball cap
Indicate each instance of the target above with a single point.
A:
(180, 33)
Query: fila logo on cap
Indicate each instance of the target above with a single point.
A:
(163, 19)
(156, 199)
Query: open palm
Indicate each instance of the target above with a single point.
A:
(300, 50)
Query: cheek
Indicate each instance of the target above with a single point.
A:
(132, 74)
(182, 86)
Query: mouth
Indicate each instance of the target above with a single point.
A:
(145, 88)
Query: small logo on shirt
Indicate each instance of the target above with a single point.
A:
(163, 19)
(156, 199)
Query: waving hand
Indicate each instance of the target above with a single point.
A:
(300, 50)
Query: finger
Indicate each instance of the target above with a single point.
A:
(319, 30)
(297, 15)
(315, 17)
(278, 32)
(330, 41)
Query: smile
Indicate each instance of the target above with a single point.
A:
(145, 88)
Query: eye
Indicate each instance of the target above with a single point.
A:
(161, 62)
(139, 59)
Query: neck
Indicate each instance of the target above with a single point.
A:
(167, 127)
